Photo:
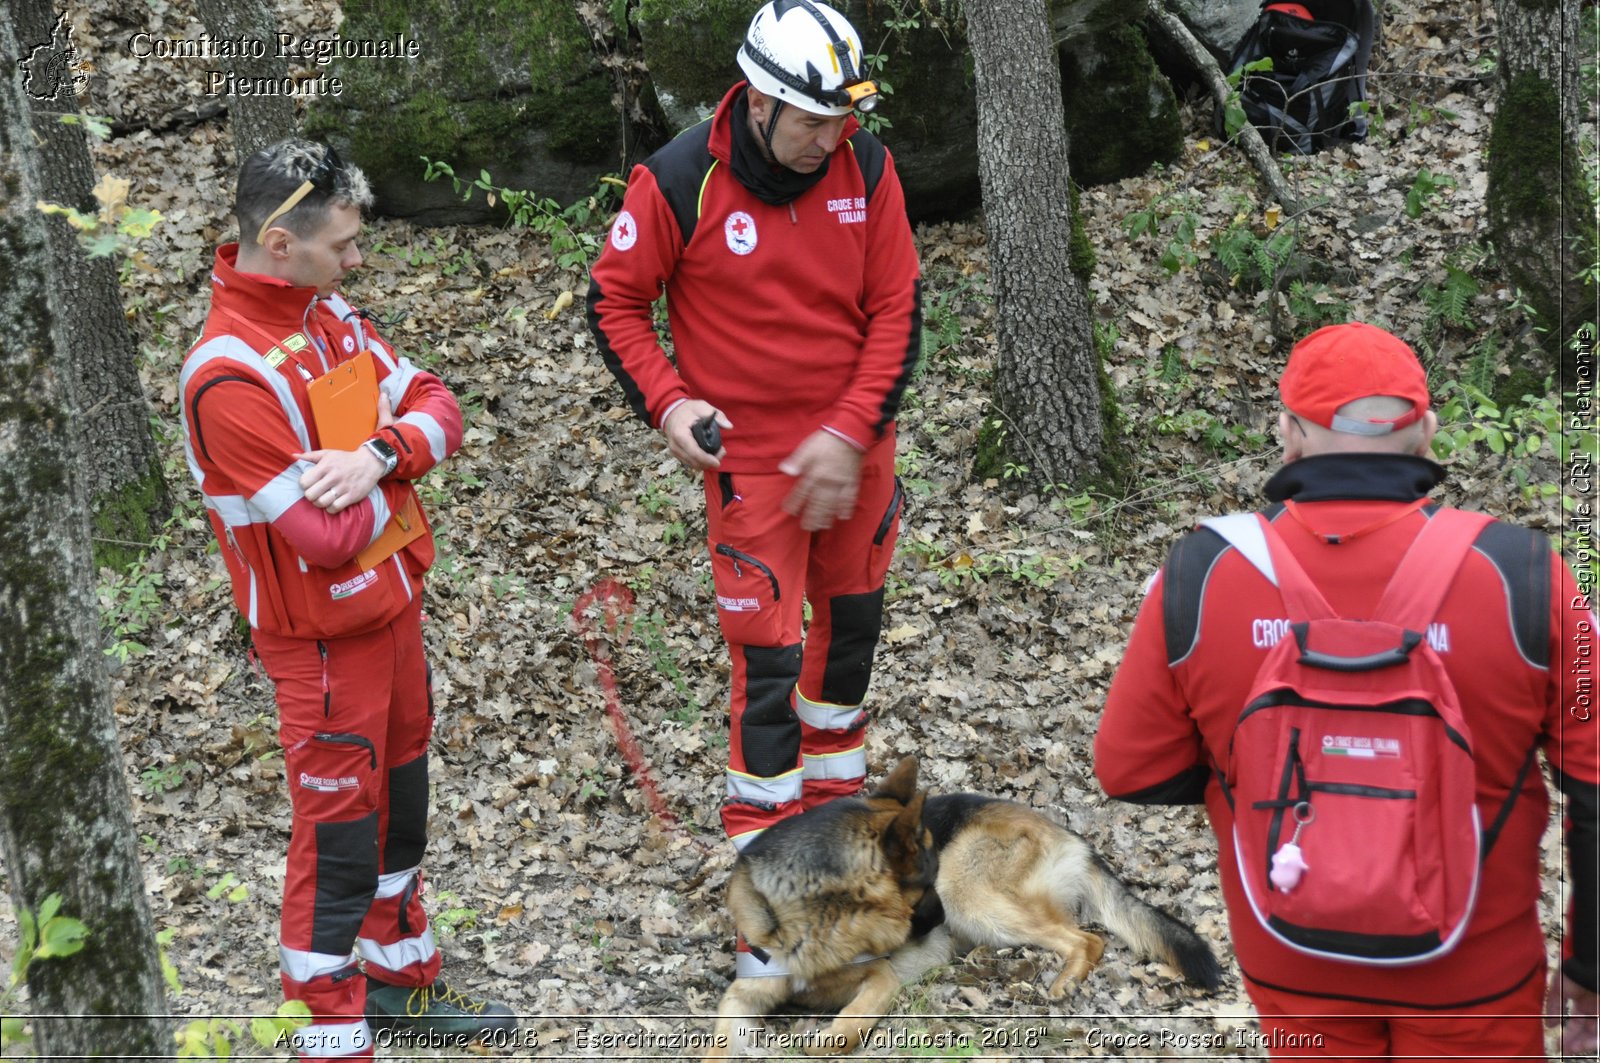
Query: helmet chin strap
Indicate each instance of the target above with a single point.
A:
(769, 127)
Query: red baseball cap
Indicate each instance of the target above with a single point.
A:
(1339, 364)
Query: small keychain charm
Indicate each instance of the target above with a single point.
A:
(1288, 865)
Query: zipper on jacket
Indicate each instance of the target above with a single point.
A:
(350, 740)
(327, 689)
(234, 543)
(737, 556)
(794, 219)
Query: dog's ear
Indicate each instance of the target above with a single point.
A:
(901, 783)
(902, 842)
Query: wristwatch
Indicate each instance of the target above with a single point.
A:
(384, 453)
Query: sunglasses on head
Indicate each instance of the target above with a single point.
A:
(322, 179)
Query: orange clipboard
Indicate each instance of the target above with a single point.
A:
(344, 406)
(404, 526)
(344, 403)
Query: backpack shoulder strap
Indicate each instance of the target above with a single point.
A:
(1414, 594)
(1253, 536)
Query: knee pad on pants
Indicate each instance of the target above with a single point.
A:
(768, 729)
(854, 621)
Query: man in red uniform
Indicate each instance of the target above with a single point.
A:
(1348, 502)
(334, 613)
(777, 229)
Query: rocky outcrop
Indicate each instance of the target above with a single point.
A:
(535, 92)
(514, 88)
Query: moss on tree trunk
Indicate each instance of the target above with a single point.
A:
(66, 821)
(126, 519)
(1540, 216)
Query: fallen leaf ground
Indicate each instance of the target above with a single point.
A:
(553, 885)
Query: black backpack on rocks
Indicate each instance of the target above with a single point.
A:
(1319, 51)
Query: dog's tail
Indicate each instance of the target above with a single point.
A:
(1104, 898)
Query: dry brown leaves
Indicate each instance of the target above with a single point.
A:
(552, 886)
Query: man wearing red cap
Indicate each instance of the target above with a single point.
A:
(1349, 501)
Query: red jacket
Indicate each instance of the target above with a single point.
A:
(293, 566)
(788, 318)
(1186, 675)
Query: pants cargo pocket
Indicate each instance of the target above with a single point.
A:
(748, 597)
(333, 776)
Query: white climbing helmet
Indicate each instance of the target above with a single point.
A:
(807, 54)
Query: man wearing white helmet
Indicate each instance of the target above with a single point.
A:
(777, 229)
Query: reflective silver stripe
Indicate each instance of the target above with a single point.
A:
(1243, 532)
(395, 883)
(405, 578)
(233, 509)
(329, 1039)
(401, 954)
(251, 615)
(280, 493)
(823, 716)
(380, 513)
(776, 790)
(741, 840)
(188, 449)
(347, 314)
(304, 966)
(746, 965)
(430, 429)
(384, 356)
(242, 354)
(401, 374)
(1150, 583)
(851, 764)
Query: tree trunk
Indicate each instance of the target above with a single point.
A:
(1047, 386)
(66, 823)
(122, 471)
(256, 121)
(1539, 215)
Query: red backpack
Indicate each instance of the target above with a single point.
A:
(1350, 771)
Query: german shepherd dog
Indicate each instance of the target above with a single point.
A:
(862, 895)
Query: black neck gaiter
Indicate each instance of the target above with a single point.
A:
(766, 181)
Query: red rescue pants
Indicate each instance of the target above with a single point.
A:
(798, 730)
(1301, 1027)
(354, 717)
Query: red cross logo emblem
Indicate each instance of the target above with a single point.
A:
(740, 231)
(624, 232)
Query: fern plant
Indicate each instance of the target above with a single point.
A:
(1450, 303)
(1314, 305)
(1252, 260)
